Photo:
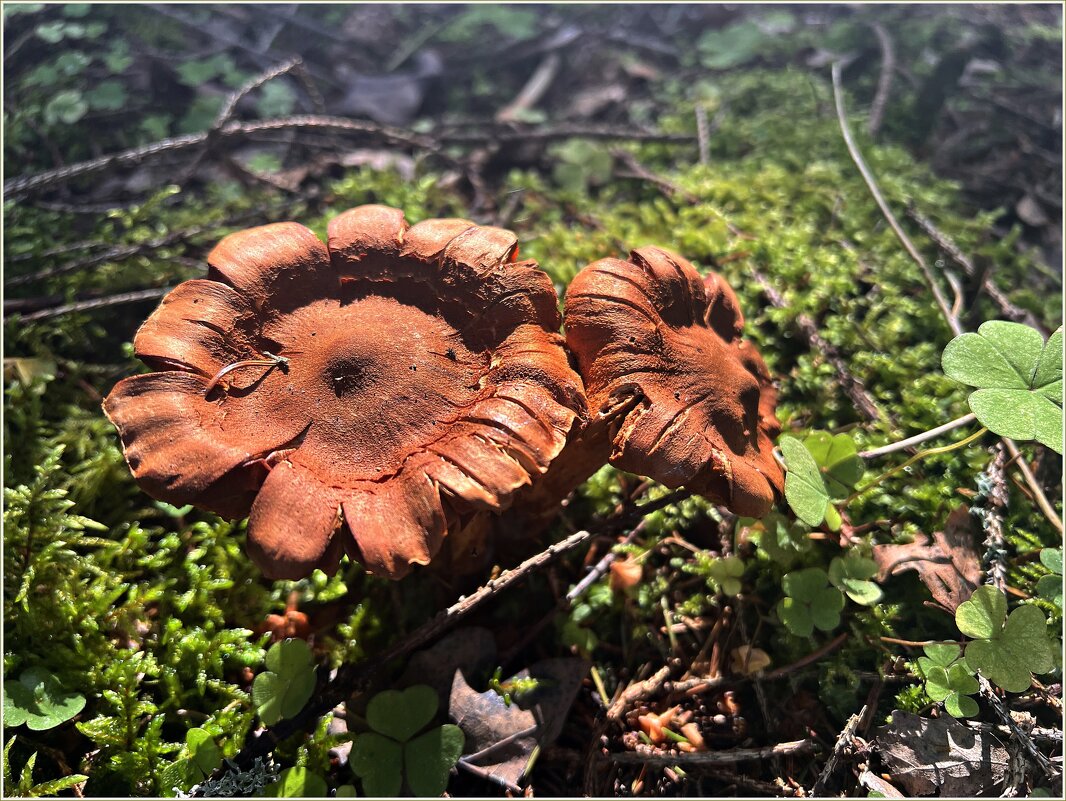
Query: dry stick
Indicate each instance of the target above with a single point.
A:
(658, 758)
(637, 692)
(99, 303)
(995, 502)
(947, 245)
(918, 439)
(953, 323)
(533, 91)
(703, 135)
(844, 741)
(351, 678)
(817, 344)
(871, 184)
(1023, 738)
(603, 565)
(884, 82)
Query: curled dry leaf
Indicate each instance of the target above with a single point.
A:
(747, 661)
(683, 397)
(948, 566)
(626, 574)
(366, 396)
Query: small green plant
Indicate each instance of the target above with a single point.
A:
(949, 678)
(25, 788)
(1006, 650)
(1018, 378)
(298, 782)
(851, 575)
(1050, 587)
(512, 688)
(391, 753)
(37, 699)
(822, 468)
(286, 685)
(199, 757)
(724, 574)
(810, 602)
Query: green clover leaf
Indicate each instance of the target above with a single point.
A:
(286, 685)
(383, 758)
(429, 759)
(838, 461)
(1018, 378)
(820, 468)
(851, 574)
(1050, 587)
(949, 679)
(297, 783)
(804, 489)
(725, 574)
(782, 540)
(1006, 650)
(810, 602)
(37, 699)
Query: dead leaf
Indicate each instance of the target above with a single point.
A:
(626, 574)
(471, 649)
(876, 784)
(948, 567)
(747, 661)
(940, 756)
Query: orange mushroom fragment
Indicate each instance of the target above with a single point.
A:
(367, 396)
(675, 393)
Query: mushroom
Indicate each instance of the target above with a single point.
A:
(367, 396)
(675, 393)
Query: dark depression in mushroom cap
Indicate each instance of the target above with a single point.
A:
(361, 396)
(689, 401)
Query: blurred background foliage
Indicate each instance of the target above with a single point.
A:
(155, 616)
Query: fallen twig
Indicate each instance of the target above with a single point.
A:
(947, 246)
(884, 82)
(851, 385)
(99, 303)
(845, 741)
(1026, 742)
(875, 191)
(636, 692)
(728, 757)
(534, 89)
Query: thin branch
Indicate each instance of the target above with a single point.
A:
(703, 134)
(871, 184)
(732, 756)
(1026, 742)
(636, 692)
(1038, 492)
(99, 303)
(539, 83)
(884, 82)
(918, 439)
(844, 742)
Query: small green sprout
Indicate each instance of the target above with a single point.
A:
(724, 574)
(851, 575)
(37, 699)
(810, 602)
(1006, 650)
(1050, 587)
(384, 757)
(1018, 378)
(513, 688)
(286, 685)
(949, 678)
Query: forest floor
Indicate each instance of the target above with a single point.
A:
(660, 652)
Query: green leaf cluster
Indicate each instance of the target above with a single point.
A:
(283, 689)
(37, 699)
(390, 754)
(1006, 650)
(820, 469)
(1018, 378)
(810, 602)
(1049, 587)
(949, 678)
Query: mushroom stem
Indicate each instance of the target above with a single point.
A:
(270, 361)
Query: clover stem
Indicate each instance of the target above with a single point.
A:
(916, 458)
(918, 439)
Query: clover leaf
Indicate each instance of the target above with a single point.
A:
(810, 602)
(384, 757)
(821, 468)
(1006, 650)
(949, 678)
(1018, 378)
(1050, 587)
(198, 759)
(783, 540)
(297, 783)
(851, 574)
(286, 685)
(725, 573)
(37, 699)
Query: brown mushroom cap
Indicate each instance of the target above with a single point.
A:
(425, 381)
(688, 401)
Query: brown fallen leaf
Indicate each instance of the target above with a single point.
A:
(948, 566)
(940, 756)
